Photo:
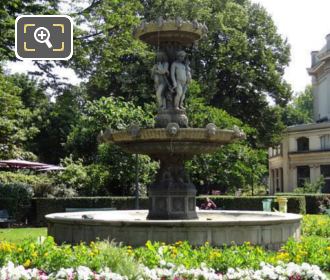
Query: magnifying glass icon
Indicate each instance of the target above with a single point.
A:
(41, 35)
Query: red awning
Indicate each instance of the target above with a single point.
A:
(23, 164)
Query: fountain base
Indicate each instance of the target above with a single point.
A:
(172, 195)
(270, 230)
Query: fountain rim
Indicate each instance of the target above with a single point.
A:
(283, 218)
(202, 135)
(170, 30)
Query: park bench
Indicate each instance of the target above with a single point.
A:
(5, 218)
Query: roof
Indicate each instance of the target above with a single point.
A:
(309, 126)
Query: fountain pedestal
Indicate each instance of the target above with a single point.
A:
(172, 195)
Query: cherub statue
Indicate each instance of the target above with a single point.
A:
(159, 73)
(181, 77)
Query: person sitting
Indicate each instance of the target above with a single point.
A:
(208, 205)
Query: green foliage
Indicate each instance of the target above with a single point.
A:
(243, 256)
(231, 167)
(98, 115)
(311, 249)
(182, 253)
(110, 170)
(44, 206)
(295, 204)
(41, 184)
(72, 179)
(9, 10)
(309, 187)
(46, 255)
(316, 225)
(15, 128)
(55, 121)
(21, 195)
(121, 170)
(300, 111)
(313, 201)
(241, 61)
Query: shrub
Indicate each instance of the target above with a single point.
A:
(21, 195)
(309, 187)
(41, 183)
(49, 257)
(296, 204)
(316, 225)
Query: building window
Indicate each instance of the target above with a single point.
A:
(303, 144)
(325, 142)
(303, 175)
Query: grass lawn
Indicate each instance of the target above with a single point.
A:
(17, 235)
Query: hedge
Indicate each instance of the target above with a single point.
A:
(44, 206)
(312, 200)
(296, 204)
(8, 204)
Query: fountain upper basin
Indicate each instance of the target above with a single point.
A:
(267, 229)
(183, 141)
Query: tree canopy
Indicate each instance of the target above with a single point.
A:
(238, 65)
(236, 69)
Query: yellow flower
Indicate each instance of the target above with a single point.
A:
(283, 256)
(178, 243)
(46, 254)
(19, 250)
(27, 263)
(215, 255)
(34, 254)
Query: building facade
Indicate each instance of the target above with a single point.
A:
(304, 153)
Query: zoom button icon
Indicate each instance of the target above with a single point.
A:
(43, 37)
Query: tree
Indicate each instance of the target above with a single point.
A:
(238, 65)
(98, 115)
(109, 168)
(56, 122)
(15, 122)
(300, 110)
(233, 166)
(9, 10)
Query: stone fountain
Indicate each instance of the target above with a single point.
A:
(172, 212)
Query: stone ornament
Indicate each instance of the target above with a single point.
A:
(189, 32)
(172, 129)
(238, 133)
(134, 130)
(160, 73)
(211, 129)
(181, 77)
(105, 136)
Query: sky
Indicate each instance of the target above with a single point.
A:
(304, 23)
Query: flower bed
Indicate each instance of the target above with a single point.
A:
(43, 259)
(169, 271)
(102, 260)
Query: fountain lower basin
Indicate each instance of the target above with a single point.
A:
(267, 229)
